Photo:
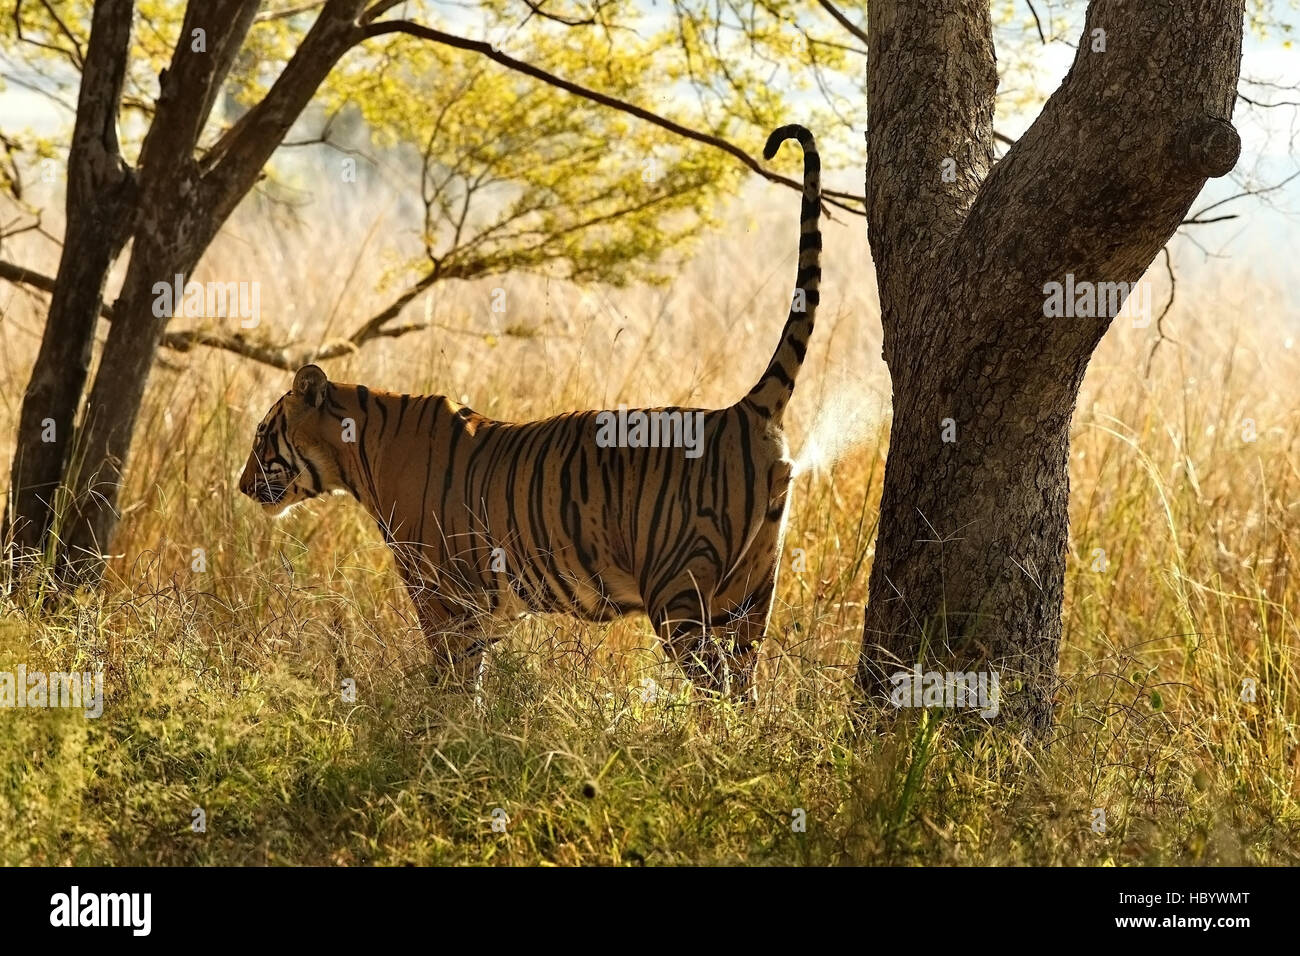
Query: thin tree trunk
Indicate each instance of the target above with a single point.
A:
(99, 205)
(113, 406)
(970, 559)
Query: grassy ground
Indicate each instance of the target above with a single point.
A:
(224, 686)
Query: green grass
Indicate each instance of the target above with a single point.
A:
(587, 771)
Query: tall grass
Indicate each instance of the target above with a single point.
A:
(224, 686)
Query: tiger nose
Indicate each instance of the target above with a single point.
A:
(246, 481)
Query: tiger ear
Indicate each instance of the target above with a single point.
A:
(310, 384)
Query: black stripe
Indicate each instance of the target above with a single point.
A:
(779, 373)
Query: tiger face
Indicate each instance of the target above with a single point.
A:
(291, 461)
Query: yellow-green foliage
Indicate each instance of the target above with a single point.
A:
(519, 175)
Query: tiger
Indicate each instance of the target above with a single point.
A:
(490, 518)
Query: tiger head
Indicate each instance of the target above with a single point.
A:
(292, 461)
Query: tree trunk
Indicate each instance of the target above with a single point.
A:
(114, 403)
(99, 204)
(969, 571)
(969, 567)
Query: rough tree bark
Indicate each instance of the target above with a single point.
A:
(99, 207)
(969, 570)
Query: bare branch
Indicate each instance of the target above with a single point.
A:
(1268, 106)
(271, 15)
(1195, 219)
(1037, 22)
(73, 55)
(280, 356)
(844, 21)
(80, 56)
(536, 8)
(41, 91)
(374, 325)
(18, 275)
(323, 139)
(1169, 304)
(1205, 222)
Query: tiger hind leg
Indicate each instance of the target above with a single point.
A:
(717, 642)
(717, 652)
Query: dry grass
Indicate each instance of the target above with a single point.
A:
(223, 687)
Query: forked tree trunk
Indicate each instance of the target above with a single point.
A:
(167, 226)
(969, 567)
(184, 203)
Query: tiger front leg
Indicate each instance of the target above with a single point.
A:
(458, 642)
